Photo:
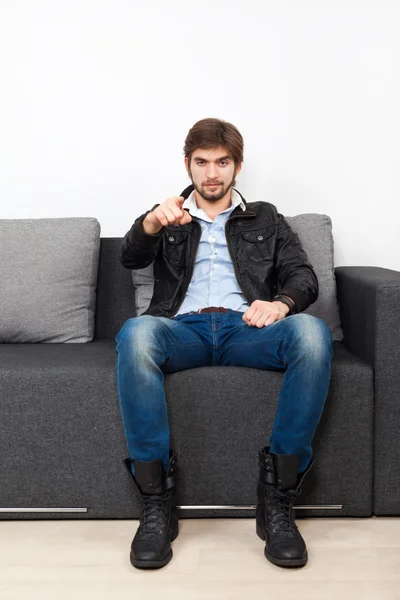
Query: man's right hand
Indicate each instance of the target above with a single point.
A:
(170, 212)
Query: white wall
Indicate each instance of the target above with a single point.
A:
(97, 97)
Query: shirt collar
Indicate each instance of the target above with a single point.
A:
(190, 203)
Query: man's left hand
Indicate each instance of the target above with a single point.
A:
(262, 313)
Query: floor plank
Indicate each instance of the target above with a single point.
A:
(214, 559)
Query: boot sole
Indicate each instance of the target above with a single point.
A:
(155, 564)
(285, 562)
(151, 564)
(280, 562)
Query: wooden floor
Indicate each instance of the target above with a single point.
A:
(357, 559)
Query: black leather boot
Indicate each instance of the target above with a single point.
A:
(278, 486)
(151, 546)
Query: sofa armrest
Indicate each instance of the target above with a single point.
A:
(369, 302)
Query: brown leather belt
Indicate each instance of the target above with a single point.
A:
(210, 309)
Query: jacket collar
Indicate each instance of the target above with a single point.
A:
(247, 212)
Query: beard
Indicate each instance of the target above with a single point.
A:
(213, 196)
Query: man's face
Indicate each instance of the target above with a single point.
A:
(212, 172)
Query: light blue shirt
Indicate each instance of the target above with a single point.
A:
(213, 281)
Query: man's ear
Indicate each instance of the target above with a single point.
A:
(238, 169)
(187, 164)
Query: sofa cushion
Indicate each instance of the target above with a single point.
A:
(48, 279)
(62, 440)
(315, 234)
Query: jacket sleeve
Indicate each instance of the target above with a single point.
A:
(139, 249)
(296, 276)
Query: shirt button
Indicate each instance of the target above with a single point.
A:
(171, 239)
(260, 237)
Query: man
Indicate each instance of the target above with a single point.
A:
(231, 282)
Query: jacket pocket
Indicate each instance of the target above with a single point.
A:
(259, 243)
(175, 246)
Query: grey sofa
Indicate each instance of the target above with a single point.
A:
(61, 437)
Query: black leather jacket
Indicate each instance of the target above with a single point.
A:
(266, 254)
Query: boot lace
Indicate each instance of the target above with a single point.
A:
(281, 511)
(154, 514)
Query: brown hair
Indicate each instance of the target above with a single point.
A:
(211, 133)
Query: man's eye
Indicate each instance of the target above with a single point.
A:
(223, 162)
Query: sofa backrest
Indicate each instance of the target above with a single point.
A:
(315, 234)
(115, 302)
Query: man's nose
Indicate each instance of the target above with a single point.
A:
(211, 171)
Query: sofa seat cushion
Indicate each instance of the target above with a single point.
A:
(62, 439)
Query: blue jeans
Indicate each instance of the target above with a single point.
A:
(148, 347)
